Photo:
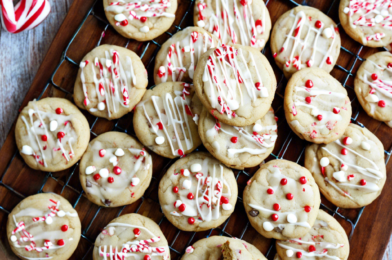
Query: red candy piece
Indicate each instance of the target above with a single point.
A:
(312, 248)
(110, 179)
(257, 85)
(298, 254)
(182, 207)
(318, 24)
(60, 135)
(160, 125)
(60, 242)
(346, 140)
(336, 110)
(147, 257)
(363, 182)
(274, 217)
(96, 176)
(289, 196)
(175, 189)
(64, 228)
(44, 138)
(276, 207)
(319, 117)
(308, 100)
(143, 19)
(234, 139)
(344, 151)
(270, 191)
(117, 170)
(190, 196)
(102, 152)
(307, 208)
(243, 2)
(59, 110)
(381, 103)
(303, 180)
(374, 76)
(283, 181)
(191, 221)
(137, 232)
(225, 200)
(309, 84)
(124, 23)
(180, 152)
(389, 65)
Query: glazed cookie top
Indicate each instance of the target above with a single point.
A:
(325, 240)
(134, 236)
(220, 247)
(51, 134)
(165, 120)
(140, 20)
(305, 37)
(110, 82)
(43, 226)
(373, 86)
(316, 106)
(178, 56)
(236, 82)
(115, 170)
(367, 21)
(197, 193)
(239, 147)
(350, 171)
(247, 23)
(282, 200)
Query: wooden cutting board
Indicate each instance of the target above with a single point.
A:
(374, 228)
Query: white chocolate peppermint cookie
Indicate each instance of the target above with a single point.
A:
(350, 172)
(140, 20)
(220, 247)
(244, 22)
(282, 200)
(367, 21)
(325, 240)
(316, 106)
(165, 121)
(43, 226)
(51, 134)
(236, 82)
(115, 170)
(238, 147)
(304, 37)
(178, 56)
(197, 193)
(373, 86)
(131, 236)
(110, 82)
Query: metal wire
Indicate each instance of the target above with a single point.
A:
(221, 231)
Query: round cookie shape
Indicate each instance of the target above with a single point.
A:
(325, 240)
(236, 83)
(220, 247)
(110, 82)
(43, 226)
(178, 56)
(142, 21)
(239, 147)
(350, 172)
(247, 23)
(165, 121)
(282, 200)
(198, 193)
(131, 235)
(316, 106)
(51, 134)
(115, 170)
(367, 21)
(304, 37)
(373, 86)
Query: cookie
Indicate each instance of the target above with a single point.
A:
(243, 22)
(110, 82)
(238, 147)
(350, 172)
(366, 21)
(131, 236)
(51, 134)
(236, 82)
(43, 226)
(282, 200)
(220, 247)
(165, 120)
(373, 85)
(197, 193)
(115, 170)
(178, 56)
(325, 240)
(142, 21)
(316, 106)
(304, 37)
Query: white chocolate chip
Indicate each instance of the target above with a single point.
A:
(119, 17)
(196, 119)
(372, 98)
(291, 218)
(186, 173)
(314, 112)
(344, 167)
(111, 231)
(268, 226)
(349, 140)
(263, 92)
(119, 152)
(53, 125)
(160, 140)
(177, 203)
(384, 12)
(61, 213)
(144, 29)
(196, 167)
(101, 106)
(201, 23)
(365, 146)
(257, 128)
(27, 150)
(290, 253)
(346, 10)
(324, 162)
(90, 170)
(104, 173)
(227, 206)
(187, 184)
(135, 181)
(113, 160)
(13, 238)
(324, 131)
(48, 220)
(340, 176)
(233, 104)
(379, 18)
(327, 33)
(82, 64)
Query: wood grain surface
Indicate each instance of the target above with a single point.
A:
(20, 58)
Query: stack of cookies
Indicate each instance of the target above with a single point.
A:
(213, 87)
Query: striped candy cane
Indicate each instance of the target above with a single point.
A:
(26, 15)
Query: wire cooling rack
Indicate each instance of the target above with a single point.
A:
(334, 211)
